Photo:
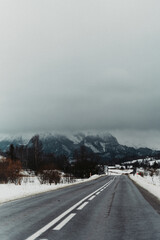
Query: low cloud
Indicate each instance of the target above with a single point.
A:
(78, 66)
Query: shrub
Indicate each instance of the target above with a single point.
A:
(10, 171)
(151, 173)
(49, 176)
(68, 178)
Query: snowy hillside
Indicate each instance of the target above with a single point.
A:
(103, 144)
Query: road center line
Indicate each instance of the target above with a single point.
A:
(91, 198)
(64, 222)
(57, 219)
(82, 206)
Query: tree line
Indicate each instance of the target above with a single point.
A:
(47, 165)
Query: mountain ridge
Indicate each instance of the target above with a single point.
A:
(103, 144)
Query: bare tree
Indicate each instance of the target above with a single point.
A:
(37, 149)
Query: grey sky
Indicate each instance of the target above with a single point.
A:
(79, 65)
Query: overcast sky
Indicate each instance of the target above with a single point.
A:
(69, 65)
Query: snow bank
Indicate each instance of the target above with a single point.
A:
(9, 192)
(94, 177)
(119, 172)
(151, 184)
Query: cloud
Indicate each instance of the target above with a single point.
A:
(79, 65)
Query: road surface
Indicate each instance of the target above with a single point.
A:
(110, 208)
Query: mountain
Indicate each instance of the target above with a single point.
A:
(105, 145)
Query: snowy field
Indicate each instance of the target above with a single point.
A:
(32, 186)
(150, 183)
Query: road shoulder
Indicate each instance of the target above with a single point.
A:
(153, 201)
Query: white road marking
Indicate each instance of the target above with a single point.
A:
(57, 219)
(82, 206)
(97, 193)
(91, 198)
(64, 222)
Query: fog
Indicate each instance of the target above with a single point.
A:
(81, 65)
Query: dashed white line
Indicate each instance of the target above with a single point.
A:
(64, 222)
(82, 206)
(57, 219)
(91, 198)
(97, 193)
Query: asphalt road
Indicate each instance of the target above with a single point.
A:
(109, 208)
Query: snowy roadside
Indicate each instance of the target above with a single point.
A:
(119, 172)
(152, 185)
(9, 192)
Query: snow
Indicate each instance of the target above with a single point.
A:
(113, 171)
(151, 163)
(150, 183)
(95, 150)
(94, 177)
(31, 186)
(66, 149)
(103, 146)
(74, 139)
(2, 158)
(148, 160)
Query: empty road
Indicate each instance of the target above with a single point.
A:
(110, 208)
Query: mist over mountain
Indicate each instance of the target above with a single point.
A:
(103, 144)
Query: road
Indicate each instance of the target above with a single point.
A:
(107, 208)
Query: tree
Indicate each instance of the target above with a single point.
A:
(35, 153)
(11, 152)
(155, 165)
(85, 163)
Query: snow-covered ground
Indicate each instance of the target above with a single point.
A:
(150, 183)
(31, 186)
(113, 171)
(148, 160)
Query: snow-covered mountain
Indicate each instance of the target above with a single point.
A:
(103, 144)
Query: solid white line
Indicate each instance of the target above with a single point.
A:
(91, 198)
(64, 222)
(57, 219)
(82, 206)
